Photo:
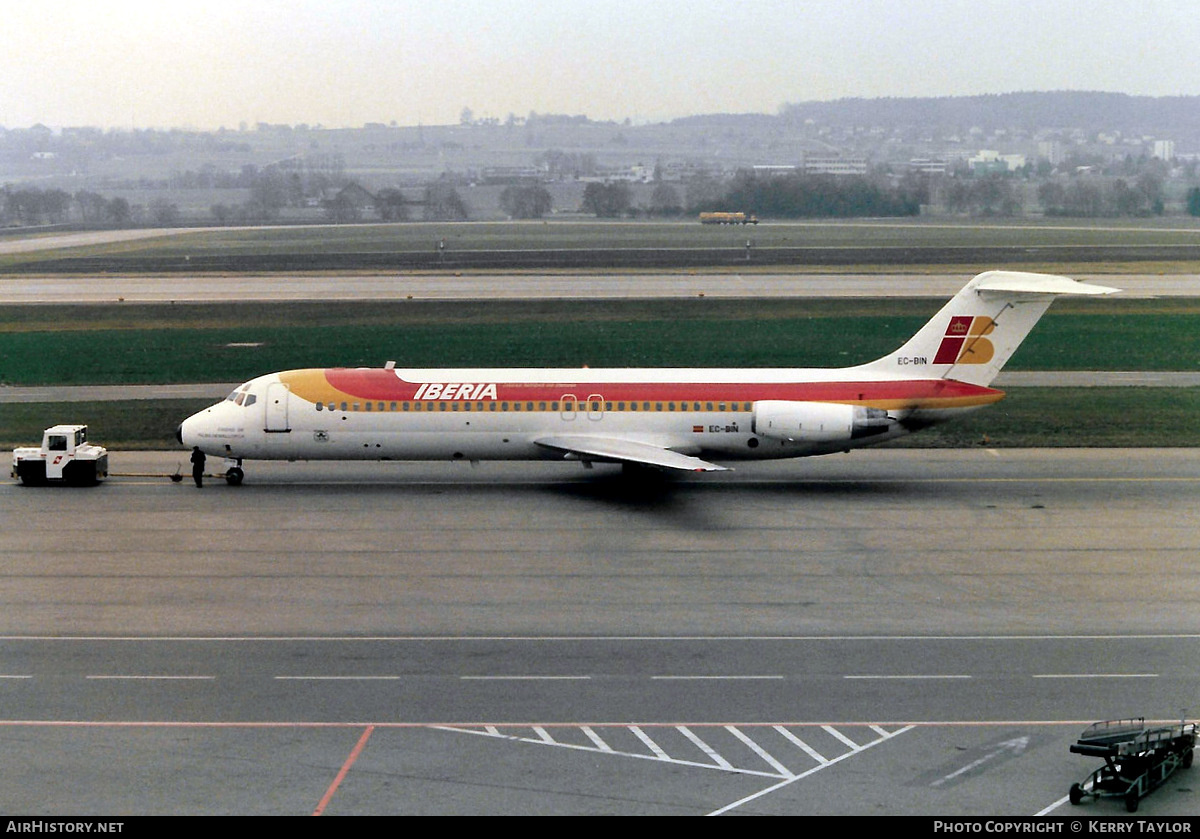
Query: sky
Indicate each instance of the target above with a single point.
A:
(207, 64)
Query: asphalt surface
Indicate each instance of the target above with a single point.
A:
(896, 632)
(885, 632)
(529, 285)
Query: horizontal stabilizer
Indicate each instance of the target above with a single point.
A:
(1019, 282)
(619, 450)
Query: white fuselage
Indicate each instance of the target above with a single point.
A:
(502, 414)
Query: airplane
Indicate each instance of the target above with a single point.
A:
(667, 419)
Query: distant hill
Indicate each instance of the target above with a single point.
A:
(1064, 110)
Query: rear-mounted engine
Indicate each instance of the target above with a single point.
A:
(818, 422)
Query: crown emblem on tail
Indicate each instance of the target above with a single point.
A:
(964, 342)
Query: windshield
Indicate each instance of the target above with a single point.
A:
(242, 397)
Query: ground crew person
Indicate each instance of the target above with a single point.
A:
(198, 466)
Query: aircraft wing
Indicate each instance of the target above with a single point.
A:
(625, 451)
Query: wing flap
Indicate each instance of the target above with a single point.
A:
(621, 450)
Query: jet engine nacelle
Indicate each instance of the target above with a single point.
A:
(817, 422)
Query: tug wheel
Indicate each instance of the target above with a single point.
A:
(1131, 801)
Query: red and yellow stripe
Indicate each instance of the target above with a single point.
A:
(337, 385)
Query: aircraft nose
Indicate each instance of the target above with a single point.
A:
(179, 432)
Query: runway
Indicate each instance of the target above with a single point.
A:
(890, 631)
(530, 285)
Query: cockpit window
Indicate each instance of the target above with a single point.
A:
(240, 397)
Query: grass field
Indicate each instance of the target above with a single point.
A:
(183, 343)
(128, 343)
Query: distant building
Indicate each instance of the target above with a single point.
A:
(511, 174)
(1052, 151)
(927, 166)
(989, 162)
(1164, 150)
(773, 169)
(835, 166)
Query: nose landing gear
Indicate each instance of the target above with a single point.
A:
(233, 472)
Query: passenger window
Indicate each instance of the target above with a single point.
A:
(320, 406)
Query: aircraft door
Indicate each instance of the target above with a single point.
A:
(595, 407)
(277, 408)
(569, 406)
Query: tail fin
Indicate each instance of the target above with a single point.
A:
(975, 333)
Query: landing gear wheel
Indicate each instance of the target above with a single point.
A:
(234, 476)
(1076, 794)
(1131, 801)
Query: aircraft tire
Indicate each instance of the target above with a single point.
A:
(234, 476)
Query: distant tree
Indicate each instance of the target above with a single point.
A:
(665, 200)
(92, 206)
(527, 201)
(163, 212)
(1193, 201)
(1150, 187)
(223, 213)
(1053, 198)
(703, 192)
(606, 200)
(120, 213)
(392, 205)
(1084, 199)
(443, 203)
(36, 206)
(268, 194)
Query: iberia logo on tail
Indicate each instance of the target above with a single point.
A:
(964, 342)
